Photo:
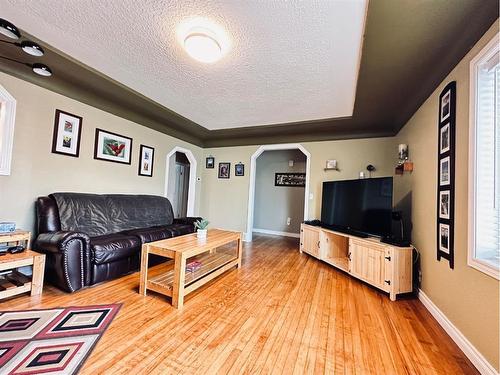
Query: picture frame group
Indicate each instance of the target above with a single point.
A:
(108, 146)
(224, 169)
(446, 174)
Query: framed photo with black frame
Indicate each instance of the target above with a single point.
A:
(67, 134)
(445, 223)
(210, 162)
(146, 161)
(112, 147)
(239, 169)
(295, 179)
(224, 170)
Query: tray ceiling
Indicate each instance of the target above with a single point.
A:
(408, 48)
(286, 61)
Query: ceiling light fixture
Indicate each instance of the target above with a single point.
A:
(32, 48)
(202, 45)
(9, 30)
(40, 69)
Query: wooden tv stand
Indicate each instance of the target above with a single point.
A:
(386, 267)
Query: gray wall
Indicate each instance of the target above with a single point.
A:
(274, 204)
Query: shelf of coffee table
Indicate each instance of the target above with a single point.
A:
(12, 282)
(210, 262)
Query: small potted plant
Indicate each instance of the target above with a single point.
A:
(201, 226)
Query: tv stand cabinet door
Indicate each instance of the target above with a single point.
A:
(367, 262)
(309, 240)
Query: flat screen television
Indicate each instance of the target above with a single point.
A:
(362, 207)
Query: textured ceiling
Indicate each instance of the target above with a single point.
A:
(286, 61)
(409, 47)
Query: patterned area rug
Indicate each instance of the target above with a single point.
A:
(52, 341)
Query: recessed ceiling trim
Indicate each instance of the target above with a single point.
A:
(391, 86)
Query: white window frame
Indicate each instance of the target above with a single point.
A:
(484, 55)
(7, 121)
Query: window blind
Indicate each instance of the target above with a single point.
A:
(487, 162)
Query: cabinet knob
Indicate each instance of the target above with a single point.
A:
(388, 282)
(388, 258)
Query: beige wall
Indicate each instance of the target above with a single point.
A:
(225, 202)
(469, 298)
(36, 171)
(274, 204)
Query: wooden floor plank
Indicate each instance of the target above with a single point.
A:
(281, 312)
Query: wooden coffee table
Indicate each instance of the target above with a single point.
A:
(177, 283)
(14, 282)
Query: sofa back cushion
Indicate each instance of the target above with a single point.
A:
(97, 214)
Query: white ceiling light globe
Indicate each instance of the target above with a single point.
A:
(202, 46)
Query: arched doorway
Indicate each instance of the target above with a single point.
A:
(180, 181)
(251, 189)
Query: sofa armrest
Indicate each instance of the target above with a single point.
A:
(67, 258)
(187, 221)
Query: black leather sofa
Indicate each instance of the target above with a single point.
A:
(90, 238)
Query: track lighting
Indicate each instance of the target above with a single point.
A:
(29, 47)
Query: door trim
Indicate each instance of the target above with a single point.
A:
(251, 188)
(192, 176)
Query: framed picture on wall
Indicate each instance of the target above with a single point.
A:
(444, 238)
(67, 134)
(239, 169)
(112, 147)
(444, 139)
(445, 106)
(444, 171)
(224, 170)
(444, 204)
(290, 179)
(210, 162)
(146, 160)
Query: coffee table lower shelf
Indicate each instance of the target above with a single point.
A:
(213, 265)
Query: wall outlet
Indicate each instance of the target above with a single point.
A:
(288, 221)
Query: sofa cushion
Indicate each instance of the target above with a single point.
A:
(179, 229)
(113, 247)
(97, 214)
(150, 234)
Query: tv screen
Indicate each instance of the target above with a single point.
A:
(362, 206)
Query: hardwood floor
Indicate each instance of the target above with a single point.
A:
(282, 312)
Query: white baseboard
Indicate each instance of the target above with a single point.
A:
(482, 365)
(247, 237)
(276, 233)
